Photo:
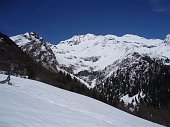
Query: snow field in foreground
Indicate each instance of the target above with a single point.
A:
(31, 103)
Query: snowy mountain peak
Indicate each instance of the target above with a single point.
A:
(33, 36)
(132, 36)
(24, 39)
(91, 38)
(87, 36)
(37, 48)
(75, 40)
(167, 39)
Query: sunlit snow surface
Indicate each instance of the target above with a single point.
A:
(34, 104)
(107, 49)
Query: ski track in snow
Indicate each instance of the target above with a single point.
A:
(36, 104)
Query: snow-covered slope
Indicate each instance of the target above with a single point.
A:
(31, 103)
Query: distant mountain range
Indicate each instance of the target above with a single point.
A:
(91, 54)
(128, 72)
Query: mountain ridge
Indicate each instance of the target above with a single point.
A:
(75, 58)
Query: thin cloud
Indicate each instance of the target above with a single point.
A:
(160, 6)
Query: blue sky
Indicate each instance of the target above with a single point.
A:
(58, 20)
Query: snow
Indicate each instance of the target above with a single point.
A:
(30, 103)
(128, 100)
(109, 48)
(167, 40)
(23, 39)
(20, 40)
(72, 76)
